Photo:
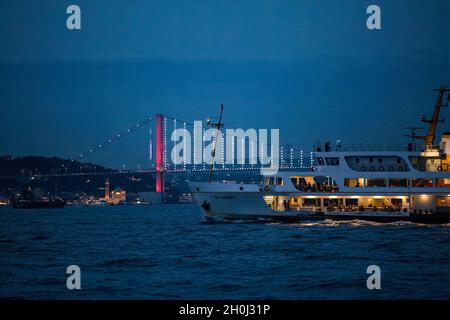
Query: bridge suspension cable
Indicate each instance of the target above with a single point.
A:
(178, 120)
(115, 138)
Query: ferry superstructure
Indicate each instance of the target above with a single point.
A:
(377, 183)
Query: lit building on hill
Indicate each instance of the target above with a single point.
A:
(118, 195)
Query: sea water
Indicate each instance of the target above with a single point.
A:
(173, 252)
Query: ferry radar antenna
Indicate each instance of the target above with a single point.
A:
(412, 145)
(218, 125)
(412, 133)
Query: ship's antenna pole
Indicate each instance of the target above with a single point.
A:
(435, 118)
(413, 136)
(433, 122)
(218, 126)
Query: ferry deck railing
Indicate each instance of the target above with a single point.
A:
(372, 147)
(379, 147)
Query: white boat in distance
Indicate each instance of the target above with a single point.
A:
(383, 184)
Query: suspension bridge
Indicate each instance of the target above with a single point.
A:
(163, 161)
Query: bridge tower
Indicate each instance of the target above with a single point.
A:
(159, 159)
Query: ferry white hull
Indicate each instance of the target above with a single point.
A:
(238, 204)
(378, 184)
(228, 201)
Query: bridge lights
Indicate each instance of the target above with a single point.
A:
(165, 143)
(292, 158)
(184, 146)
(301, 158)
(174, 142)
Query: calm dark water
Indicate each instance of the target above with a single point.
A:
(171, 252)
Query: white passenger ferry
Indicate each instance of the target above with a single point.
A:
(382, 184)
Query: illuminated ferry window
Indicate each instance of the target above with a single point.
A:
(327, 202)
(269, 181)
(376, 183)
(294, 202)
(351, 202)
(377, 202)
(443, 183)
(396, 202)
(298, 181)
(354, 182)
(311, 202)
(443, 201)
(279, 181)
(332, 161)
(422, 183)
(398, 183)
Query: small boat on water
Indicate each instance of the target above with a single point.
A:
(27, 200)
(374, 183)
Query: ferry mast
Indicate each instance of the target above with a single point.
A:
(433, 122)
(218, 126)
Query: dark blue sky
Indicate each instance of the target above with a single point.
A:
(310, 68)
